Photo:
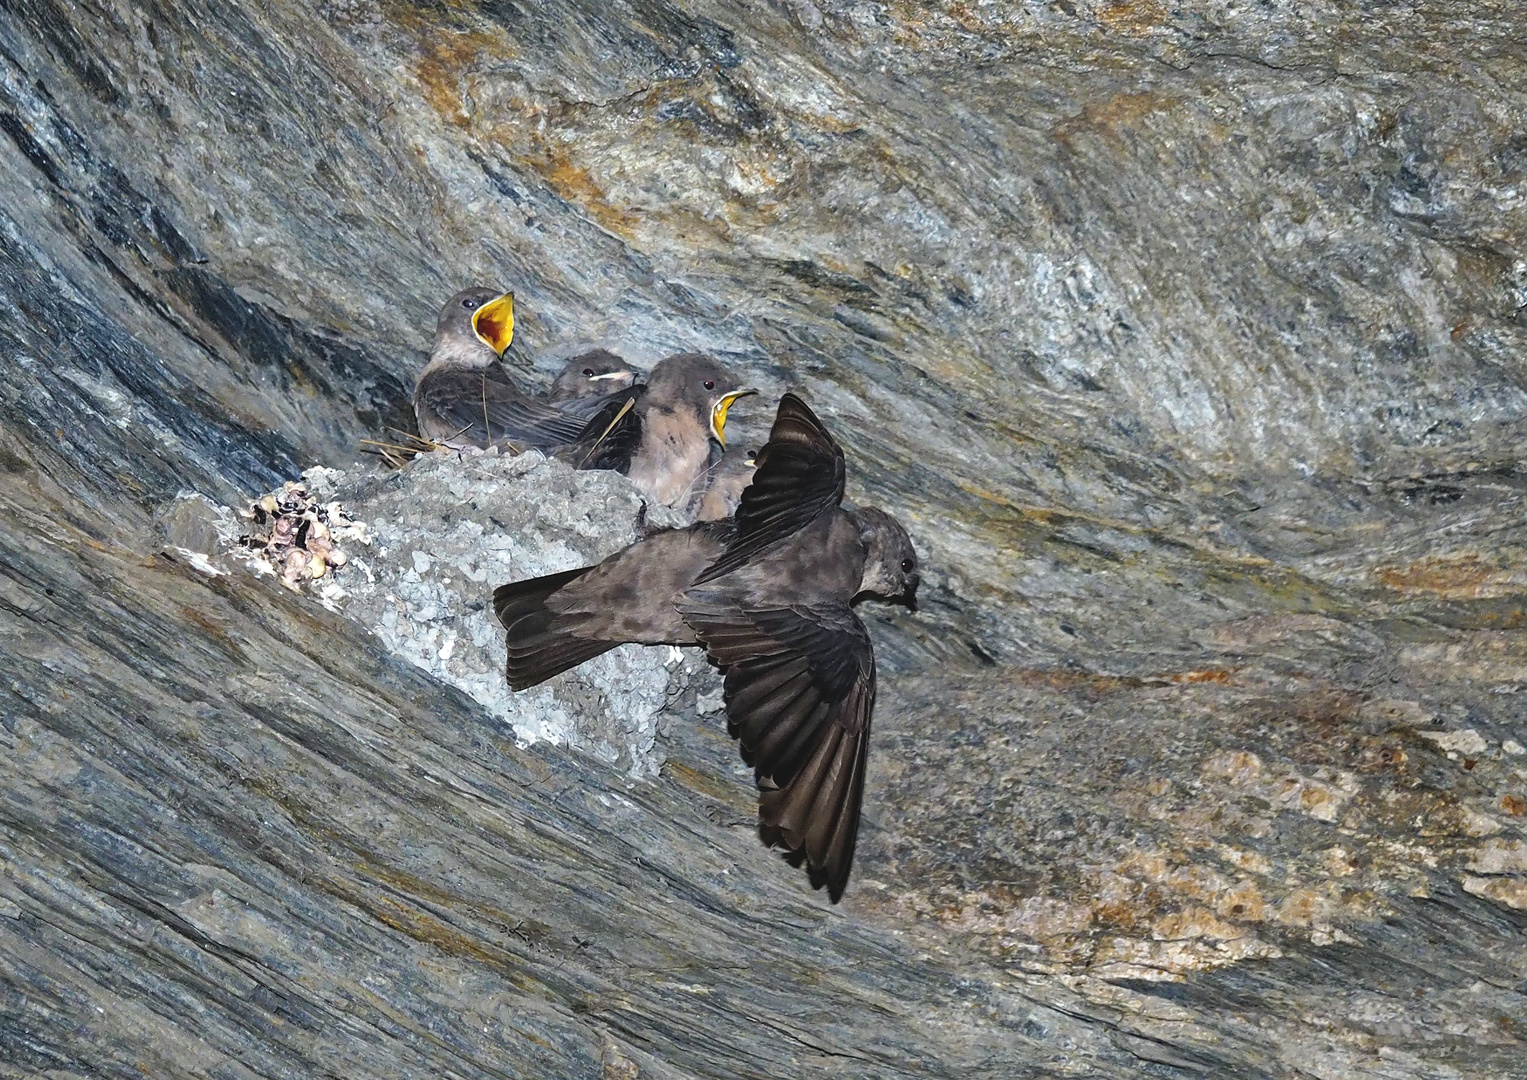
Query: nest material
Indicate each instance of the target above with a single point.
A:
(295, 537)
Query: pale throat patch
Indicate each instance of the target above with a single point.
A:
(670, 459)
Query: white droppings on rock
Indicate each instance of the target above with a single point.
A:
(1468, 742)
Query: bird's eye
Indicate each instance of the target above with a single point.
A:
(907, 565)
(469, 303)
(588, 372)
(710, 384)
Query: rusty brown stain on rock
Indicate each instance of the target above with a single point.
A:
(1461, 576)
(1138, 17)
(1061, 679)
(215, 629)
(441, 71)
(578, 186)
(730, 793)
(1208, 675)
(1194, 922)
(1120, 115)
(414, 922)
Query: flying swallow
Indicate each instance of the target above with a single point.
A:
(768, 594)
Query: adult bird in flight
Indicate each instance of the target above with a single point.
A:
(768, 594)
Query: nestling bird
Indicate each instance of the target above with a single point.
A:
(464, 397)
(660, 434)
(768, 595)
(723, 485)
(595, 374)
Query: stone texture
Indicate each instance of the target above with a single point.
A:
(1187, 339)
(446, 529)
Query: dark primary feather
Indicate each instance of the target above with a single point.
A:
(599, 445)
(800, 690)
(484, 407)
(817, 817)
(800, 475)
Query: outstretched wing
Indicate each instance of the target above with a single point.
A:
(484, 407)
(800, 475)
(800, 691)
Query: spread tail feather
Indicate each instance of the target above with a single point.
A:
(540, 642)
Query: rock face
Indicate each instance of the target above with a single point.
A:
(1188, 340)
(447, 529)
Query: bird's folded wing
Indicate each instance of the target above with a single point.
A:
(485, 407)
(800, 475)
(800, 691)
(611, 435)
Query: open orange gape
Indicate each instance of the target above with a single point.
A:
(494, 322)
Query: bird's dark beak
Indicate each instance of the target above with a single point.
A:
(718, 413)
(910, 595)
(494, 323)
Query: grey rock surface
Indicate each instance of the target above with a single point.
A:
(1187, 340)
(446, 529)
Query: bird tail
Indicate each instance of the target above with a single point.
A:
(538, 646)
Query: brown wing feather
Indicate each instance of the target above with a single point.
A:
(800, 692)
(612, 434)
(484, 407)
(817, 814)
(800, 475)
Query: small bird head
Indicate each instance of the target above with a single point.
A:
(485, 315)
(695, 383)
(890, 564)
(593, 374)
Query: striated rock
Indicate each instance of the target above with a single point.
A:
(1187, 339)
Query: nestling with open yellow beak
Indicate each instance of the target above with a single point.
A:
(464, 397)
(660, 434)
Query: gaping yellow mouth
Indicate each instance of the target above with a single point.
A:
(494, 323)
(718, 413)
